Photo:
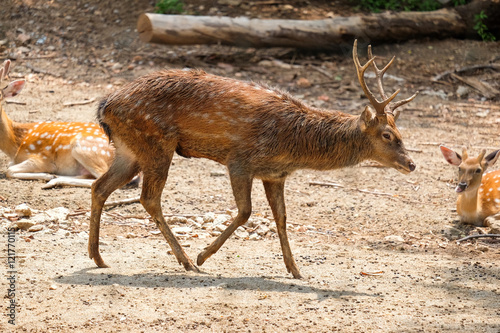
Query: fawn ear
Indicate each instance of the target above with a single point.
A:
(490, 159)
(366, 119)
(450, 156)
(14, 88)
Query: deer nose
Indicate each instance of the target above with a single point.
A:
(412, 166)
(461, 187)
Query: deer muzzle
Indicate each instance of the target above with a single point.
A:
(461, 187)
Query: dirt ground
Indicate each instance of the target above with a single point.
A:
(402, 227)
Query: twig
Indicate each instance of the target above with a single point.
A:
(414, 150)
(122, 202)
(41, 71)
(322, 71)
(429, 143)
(477, 236)
(2, 198)
(326, 184)
(464, 69)
(375, 193)
(81, 212)
(372, 273)
(351, 189)
(92, 100)
(15, 102)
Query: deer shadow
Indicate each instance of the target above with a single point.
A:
(188, 280)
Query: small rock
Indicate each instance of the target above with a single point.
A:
(462, 91)
(130, 235)
(241, 233)
(36, 228)
(53, 287)
(394, 239)
(303, 83)
(23, 224)
(221, 219)
(262, 230)
(254, 236)
(58, 213)
(215, 233)
(23, 210)
(181, 230)
(23, 38)
(116, 66)
(177, 220)
(220, 227)
(452, 232)
(62, 233)
(208, 217)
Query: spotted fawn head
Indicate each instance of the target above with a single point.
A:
(470, 169)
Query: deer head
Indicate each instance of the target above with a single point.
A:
(380, 126)
(470, 169)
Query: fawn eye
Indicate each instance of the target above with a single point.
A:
(478, 170)
(386, 136)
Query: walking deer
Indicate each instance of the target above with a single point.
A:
(478, 200)
(73, 150)
(255, 131)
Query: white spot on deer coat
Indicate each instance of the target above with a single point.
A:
(32, 146)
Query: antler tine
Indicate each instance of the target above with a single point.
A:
(379, 73)
(379, 106)
(403, 101)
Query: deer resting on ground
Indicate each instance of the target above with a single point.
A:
(478, 191)
(255, 131)
(73, 151)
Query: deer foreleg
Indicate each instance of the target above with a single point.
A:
(276, 199)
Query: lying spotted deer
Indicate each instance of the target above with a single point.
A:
(73, 151)
(254, 130)
(478, 200)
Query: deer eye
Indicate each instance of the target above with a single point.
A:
(478, 170)
(386, 136)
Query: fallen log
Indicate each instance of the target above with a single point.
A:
(313, 34)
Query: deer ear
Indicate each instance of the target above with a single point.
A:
(396, 115)
(14, 88)
(490, 159)
(450, 156)
(366, 119)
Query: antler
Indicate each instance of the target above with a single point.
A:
(379, 106)
(379, 75)
(4, 71)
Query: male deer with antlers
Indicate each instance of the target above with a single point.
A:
(256, 131)
(73, 150)
(478, 200)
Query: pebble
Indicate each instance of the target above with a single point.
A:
(36, 228)
(394, 239)
(23, 210)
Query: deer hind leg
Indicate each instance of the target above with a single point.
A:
(154, 178)
(492, 221)
(242, 188)
(122, 170)
(276, 198)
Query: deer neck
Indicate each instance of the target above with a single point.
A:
(329, 140)
(468, 206)
(11, 134)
